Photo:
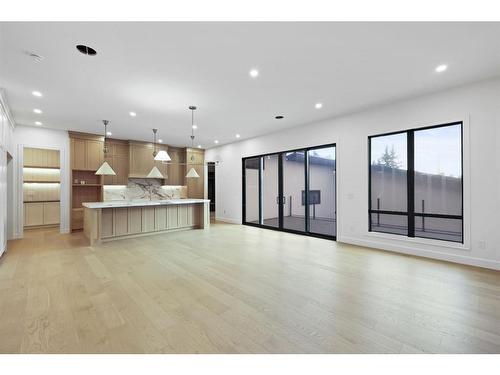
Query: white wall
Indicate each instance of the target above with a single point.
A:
(27, 136)
(476, 105)
(6, 128)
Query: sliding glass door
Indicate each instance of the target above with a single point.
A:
(322, 202)
(293, 191)
(294, 210)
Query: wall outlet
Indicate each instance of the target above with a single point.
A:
(482, 244)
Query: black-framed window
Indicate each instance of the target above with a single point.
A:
(416, 182)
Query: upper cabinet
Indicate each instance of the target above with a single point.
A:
(141, 159)
(86, 151)
(118, 158)
(195, 158)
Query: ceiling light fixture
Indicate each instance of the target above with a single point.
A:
(105, 169)
(86, 50)
(133, 114)
(194, 126)
(192, 172)
(216, 141)
(441, 68)
(237, 136)
(109, 133)
(38, 123)
(37, 93)
(199, 146)
(160, 140)
(161, 155)
(36, 110)
(254, 73)
(318, 105)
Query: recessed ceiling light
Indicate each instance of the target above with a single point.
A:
(237, 136)
(195, 126)
(133, 114)
(216, 141)
(254, 73)
(86, 50)
(109, 133)
(38, 123)
(318, 105)
(279, 117)
(441, 68)
(36, 93)
(160, 140)
(199, 146)
(36, 110)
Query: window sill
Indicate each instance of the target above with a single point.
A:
(419, 241)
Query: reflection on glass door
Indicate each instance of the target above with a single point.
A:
(270, 191)
(251, 199)
(321, 193)
(294, 217)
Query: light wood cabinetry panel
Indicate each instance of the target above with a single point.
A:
(51, 213)
(134, 220)
(78, 154)
(108, 180)
(172, 217)
(120, 166)
(107, 222)
(160, 218)
(148, 219)
(182, 215)
(76, 218)
(141, 159)
(94, 150)
(41, 157)
(33, 214)
(121, 221)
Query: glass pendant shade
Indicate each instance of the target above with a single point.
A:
(162, 155)
(192, 173)
(155, 173)
(105, 170)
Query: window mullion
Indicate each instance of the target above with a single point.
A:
(410, 182)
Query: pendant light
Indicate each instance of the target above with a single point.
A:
(192, 172)
(155, 172)
(105, 169)
(161, 155)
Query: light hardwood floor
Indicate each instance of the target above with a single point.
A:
(236, 289)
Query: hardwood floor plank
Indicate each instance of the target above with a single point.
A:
(237, 289)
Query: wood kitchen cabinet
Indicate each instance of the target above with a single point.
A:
(86, 151)
(141, 159)
(195, 158)
(118, 158)
(41, 213)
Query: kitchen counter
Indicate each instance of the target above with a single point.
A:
(138, 203)
(112, 220)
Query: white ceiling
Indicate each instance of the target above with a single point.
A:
(159, 69)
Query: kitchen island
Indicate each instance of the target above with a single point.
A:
(112, 220)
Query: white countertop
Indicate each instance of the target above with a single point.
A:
(113, 204)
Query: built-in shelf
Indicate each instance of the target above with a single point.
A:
(87, 184)
(40, 167)
(41, 182)
(41, 201)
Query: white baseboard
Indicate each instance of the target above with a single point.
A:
(228, 220)
(397, 248)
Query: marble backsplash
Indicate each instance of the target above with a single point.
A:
(143, 189)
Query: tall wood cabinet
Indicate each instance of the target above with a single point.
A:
(87, 155)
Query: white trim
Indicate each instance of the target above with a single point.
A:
(5, 107)
(399, 248)
(228, 220)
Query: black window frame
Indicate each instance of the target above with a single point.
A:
(280, 227)
(410, 186)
